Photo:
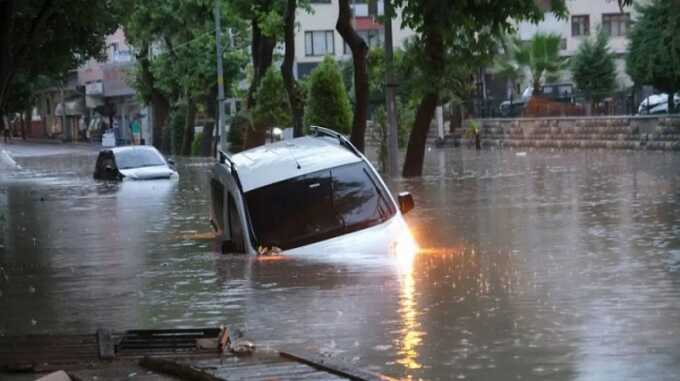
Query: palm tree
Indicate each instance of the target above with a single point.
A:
(541, 56)
(505, 65)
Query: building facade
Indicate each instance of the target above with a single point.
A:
(316, 36)
(585, 18)
(110, 99)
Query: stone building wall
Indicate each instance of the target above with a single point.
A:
(625, 132)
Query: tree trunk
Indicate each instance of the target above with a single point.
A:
(415, 153)
(207, 140)
(262, 50)
(28, 122)
(359, 51)
(671, 102)
(296, 103)
(434, 59)
(160, 108)
(6, 71)
(211, 110)
(188, 137)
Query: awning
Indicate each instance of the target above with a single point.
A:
(74, 107)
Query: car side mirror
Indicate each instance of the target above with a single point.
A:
(405, 202)
(171, 162)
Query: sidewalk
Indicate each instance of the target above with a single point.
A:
(46, 147)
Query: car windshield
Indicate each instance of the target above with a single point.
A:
(135, 158)
(317, 206)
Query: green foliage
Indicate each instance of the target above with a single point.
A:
(272, 108)
(239, 123)
(654, 50)
(183, 33)
(174, 135)
(50, 38)
(327, 101)
(541, 55)
(472, 130)
(593, 67)
(196, 144)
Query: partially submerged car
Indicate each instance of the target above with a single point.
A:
(309, 195)
(133, 163)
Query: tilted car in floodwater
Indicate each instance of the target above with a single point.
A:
(133, 163)
(310, 195)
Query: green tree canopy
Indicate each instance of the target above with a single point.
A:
(593, 67)
(271, 107)
(327, 101)
(454, 32)
(49, 38)
(541, 56)
(654, 49)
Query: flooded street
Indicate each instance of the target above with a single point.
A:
(546, 265)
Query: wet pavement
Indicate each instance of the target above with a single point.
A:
(546, 265)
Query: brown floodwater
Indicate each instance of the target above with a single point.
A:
(554, 265)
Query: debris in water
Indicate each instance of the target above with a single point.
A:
(269, 251)
(521, 154)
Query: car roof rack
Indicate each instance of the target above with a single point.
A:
(322, 131)
(225, 158)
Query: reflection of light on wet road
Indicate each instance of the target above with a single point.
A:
(411, 335)
(406, 250)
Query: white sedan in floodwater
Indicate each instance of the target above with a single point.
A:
(133, 163)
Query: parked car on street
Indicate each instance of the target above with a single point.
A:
(657, 104)
(559, 92)
(133, 163)
(310, 195)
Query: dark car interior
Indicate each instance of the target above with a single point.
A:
(105, 168)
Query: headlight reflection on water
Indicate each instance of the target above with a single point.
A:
(405, 251)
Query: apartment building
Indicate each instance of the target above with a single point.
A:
(316, 36)
(109, 98)
(583, 21)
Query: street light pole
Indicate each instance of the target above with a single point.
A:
(221, 132)
(390, 94)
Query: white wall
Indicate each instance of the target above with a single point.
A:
(324, 17)
(593, 8)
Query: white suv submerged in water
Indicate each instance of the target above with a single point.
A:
(310, 195)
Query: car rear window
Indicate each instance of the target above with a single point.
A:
(317, 206)
(136, 158)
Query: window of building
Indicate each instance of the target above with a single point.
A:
(616, 24)
(563, 44)
(374, 38)
(580, 25)
(319, 43)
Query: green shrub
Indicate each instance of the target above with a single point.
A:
(327, 101)
(272, 108)
(172, 136)
(239, 123)
(196, 144)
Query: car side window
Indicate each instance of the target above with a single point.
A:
(235, 227)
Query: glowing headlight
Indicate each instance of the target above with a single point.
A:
(404, 249)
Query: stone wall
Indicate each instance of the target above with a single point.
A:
(618, 132)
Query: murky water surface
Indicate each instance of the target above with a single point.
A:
(550, 265)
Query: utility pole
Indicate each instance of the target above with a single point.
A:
(221, 132)
(390, 94)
